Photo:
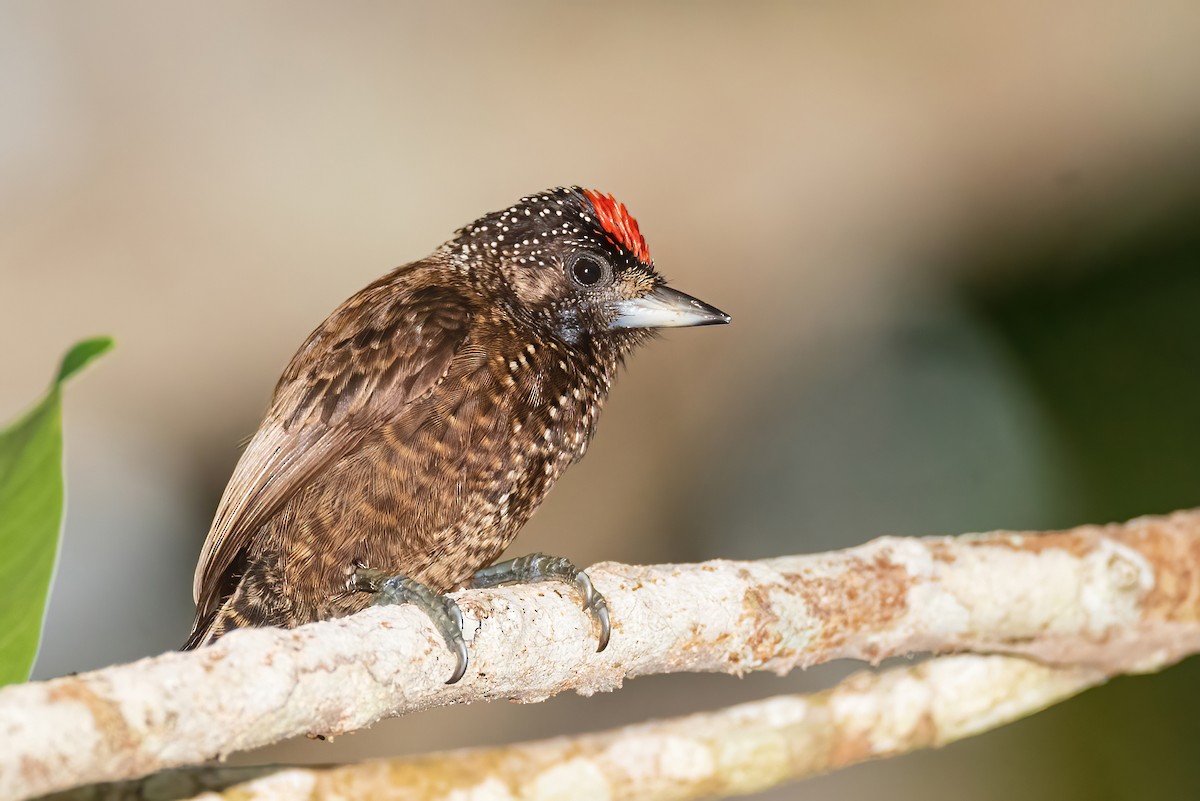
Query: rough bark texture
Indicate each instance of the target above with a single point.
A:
(1120, 598)
(734, 751)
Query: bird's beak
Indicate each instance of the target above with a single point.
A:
(664, 307)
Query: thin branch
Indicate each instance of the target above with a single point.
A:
(1110, 599)
(734, 751)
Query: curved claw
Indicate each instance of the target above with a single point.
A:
(536, 567)
(600, 610)
(442, 610)
(455, 642)
(594, 602)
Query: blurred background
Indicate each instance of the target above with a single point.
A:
(959, 242)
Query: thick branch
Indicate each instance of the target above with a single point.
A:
(741, 749)
(1110, 599)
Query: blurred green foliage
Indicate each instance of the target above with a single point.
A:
(1108, 342)
(31, 512)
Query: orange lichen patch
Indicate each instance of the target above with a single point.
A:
(213, 658)
(925, 732)
(1173, 552)
(849, 748)
(764, 640)
(110, 723)
(34, 771)
(696, 640)
(699, 640)
(864, 597)
(943, 552)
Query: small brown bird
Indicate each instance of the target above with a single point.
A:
(420, 425)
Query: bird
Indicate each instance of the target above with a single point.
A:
(420, 425)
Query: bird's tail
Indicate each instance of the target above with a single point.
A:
(212, 625)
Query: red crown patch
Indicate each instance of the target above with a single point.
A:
(616, 221)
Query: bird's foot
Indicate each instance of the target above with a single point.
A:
(447, 618)
(537, 567)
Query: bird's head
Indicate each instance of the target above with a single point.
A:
(572, 262)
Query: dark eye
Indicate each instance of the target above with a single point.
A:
(587, 271)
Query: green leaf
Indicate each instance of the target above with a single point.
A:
(31, 512)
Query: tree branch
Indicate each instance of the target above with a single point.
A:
(741, 749)
(1104, 599)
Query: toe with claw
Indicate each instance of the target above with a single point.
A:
(536, 567)
(442, 610)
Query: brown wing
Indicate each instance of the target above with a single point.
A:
(379, 350)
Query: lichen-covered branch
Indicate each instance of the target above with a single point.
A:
(1105, 599)
(733, 751)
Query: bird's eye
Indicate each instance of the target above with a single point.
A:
(587, 271)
